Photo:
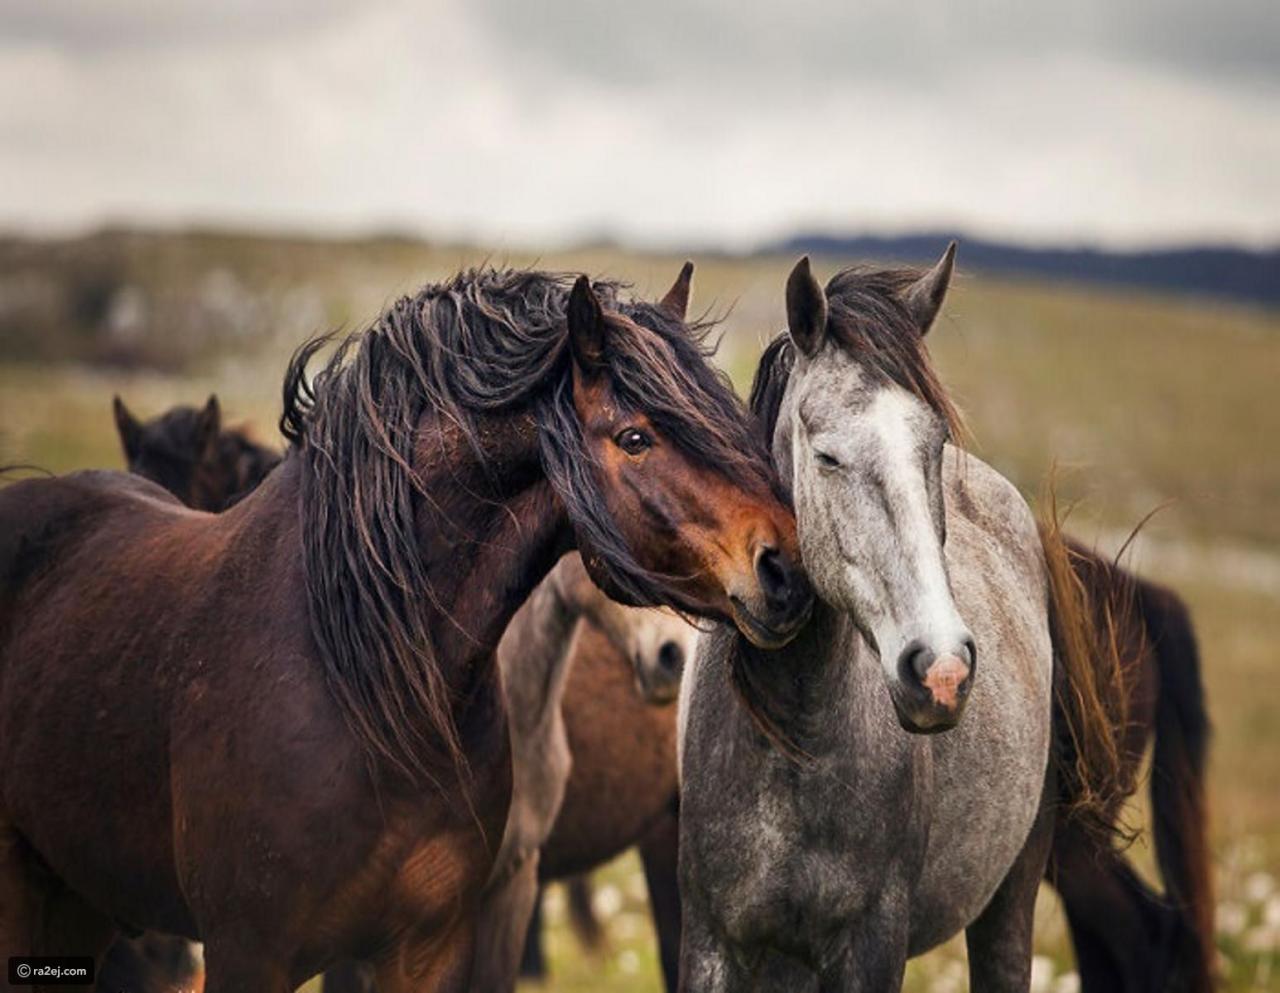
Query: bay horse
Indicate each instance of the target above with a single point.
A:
(829, 827)
(190, 454)
(534, 657)
(288, 723)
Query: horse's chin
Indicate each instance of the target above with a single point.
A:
(925, 719)
(763, 635)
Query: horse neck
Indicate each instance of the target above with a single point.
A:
(488, 533)
(534, 652)
(815, 687)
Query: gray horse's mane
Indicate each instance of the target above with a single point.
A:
(868, 318)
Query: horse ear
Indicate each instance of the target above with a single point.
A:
(586, 326)
(210, 421)
(676, 302)
(924, 297)
(806, 309)
(128, 427)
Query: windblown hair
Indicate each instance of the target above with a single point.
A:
(486, 342)
(1094, 622)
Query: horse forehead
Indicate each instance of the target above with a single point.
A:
(832, 386)
(839, 394)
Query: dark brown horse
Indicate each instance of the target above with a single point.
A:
(1128, 938)
(187, 452)
(279, 729)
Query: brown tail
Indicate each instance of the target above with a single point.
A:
(1090, 692)
(582, 913)
(1177, 778)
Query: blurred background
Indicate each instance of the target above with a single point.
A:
(187, 191)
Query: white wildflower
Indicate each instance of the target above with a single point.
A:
(1232, 918)
(1259, 886)
(607, 901)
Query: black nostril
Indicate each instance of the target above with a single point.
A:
(772, 574)
(971, 653)
(914, 662)
(671, 657)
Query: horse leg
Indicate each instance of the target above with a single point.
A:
(1120, 928)
(350, 976)
(707, 964)
(1000, 939)
(533, 963)
(659, 854)
(40, 915)
(231, 968)
(503, 924)
(16, 911)
(431, 962)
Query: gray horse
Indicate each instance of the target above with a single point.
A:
(827, 834)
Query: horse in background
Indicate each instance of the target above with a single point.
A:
(308, 755)
(1127, 937)
(188, 452)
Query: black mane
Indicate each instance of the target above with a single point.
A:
(485, 342)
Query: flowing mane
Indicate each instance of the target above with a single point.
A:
(485, 342)
(868, 319)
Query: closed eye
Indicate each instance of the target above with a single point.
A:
(826, 461)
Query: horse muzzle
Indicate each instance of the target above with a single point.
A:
(932, 687)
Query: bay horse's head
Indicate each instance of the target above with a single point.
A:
(683, 509)
(859, 430)
(169, 449)
(657, 642)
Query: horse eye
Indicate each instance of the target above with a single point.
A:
(633, 441)
(826, 461)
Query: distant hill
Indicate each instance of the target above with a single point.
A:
(1231, 273)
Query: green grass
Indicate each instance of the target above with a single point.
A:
(1141, 401)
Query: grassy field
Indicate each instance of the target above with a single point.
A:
(1140, 401)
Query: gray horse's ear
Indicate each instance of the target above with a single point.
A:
(586, 326)
(210, 421)
(676, 302)
(806, 309)
(128, 427)
(924, 297)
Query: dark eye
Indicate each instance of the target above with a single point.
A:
(826, 461)
(633, 441)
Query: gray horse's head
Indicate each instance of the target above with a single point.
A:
(860, 436)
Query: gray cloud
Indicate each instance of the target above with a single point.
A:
(682, 123)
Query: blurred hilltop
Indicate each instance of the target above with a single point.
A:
(166, 300)
(1224, 272)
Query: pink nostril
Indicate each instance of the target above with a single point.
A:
(944, 680)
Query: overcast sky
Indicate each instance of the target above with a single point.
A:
(667, 122)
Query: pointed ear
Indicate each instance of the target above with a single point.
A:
(676, 302)
(586, 326)
(209, 423)
(806, 309)
(924, 297)
(128, 427)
